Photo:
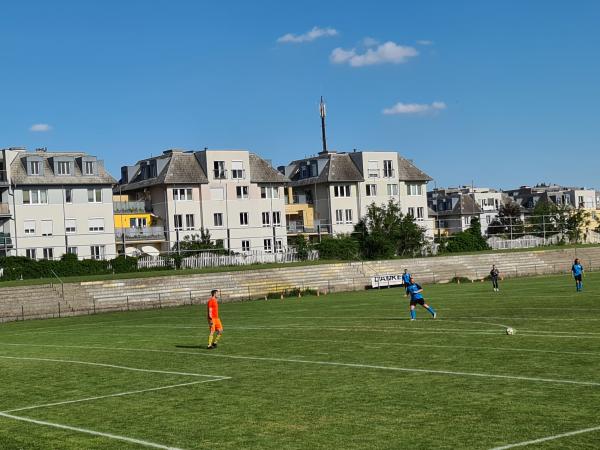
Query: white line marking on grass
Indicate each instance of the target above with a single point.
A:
(549, 438)
(351, 365)
(112, 366)
(92, 432)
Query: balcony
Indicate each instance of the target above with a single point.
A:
(140, 234)
(298, 199)
(4, 210)
(298, 227)
(5, 241)
(129, 207)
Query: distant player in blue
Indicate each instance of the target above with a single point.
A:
(416, 297)
(577, 270)
(406, 280)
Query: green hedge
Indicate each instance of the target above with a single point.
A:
(19, 267)
(338, 247)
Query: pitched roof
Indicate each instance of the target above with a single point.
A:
(466, 206)
(407, 171)
(19, 176)
(180, 168)
(338, 168)
(262, 172)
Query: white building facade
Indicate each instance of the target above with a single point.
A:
(233, 194)
(57, 203)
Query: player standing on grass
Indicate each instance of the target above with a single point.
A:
(577, 270)
(214, 323)
(416, 297)
(406, 280)
(494, 274)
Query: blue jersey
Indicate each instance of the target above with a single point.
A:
(577, 269)
(406, 278)
(412, 290)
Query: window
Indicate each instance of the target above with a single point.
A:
(414, 189)
(269, 192)
(217, 193)
(218, 219)
(371, 190)
(388, 168)
(182, 194)
(267, 245)
(96, 225)
(348, 216)
(70, 225)
(304, 171)
(97, 251)
(219, 170)
(339, 216)
(89, 167)
(580, 202)
(189, 221)
(35, 196)
(279, 246)
(276, 219)
(243, 218)
(137, 222)
(68, 195)
(488, 219)
(48, 253)
(29, 226)
(30, 253)
(467, 220)
(266, 219)
(63, 168)
(72, 250)
(245, 246)
(373, 169)
(178, 221)
(94, 195)
(34, 167)
(341, 191)
(237, 170)
(411, 212)
(46, 227)
(241, 191)
(392, 189)
(420, 212)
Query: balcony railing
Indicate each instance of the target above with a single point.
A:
(4, 209)
(389, 173)
(299, 199)
(129, 207)
(297, 226)
(140, 233)
(5, 240)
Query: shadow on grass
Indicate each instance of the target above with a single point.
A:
(190, 346)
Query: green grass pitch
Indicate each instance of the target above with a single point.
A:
(346, 370)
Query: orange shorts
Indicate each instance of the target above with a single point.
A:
(216, 325)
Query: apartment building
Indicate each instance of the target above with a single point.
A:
(234, 194)
(576, 197)
(454, 208)
(54, 203)
(336, 189)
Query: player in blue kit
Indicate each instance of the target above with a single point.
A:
(577, 270)
(416, 297)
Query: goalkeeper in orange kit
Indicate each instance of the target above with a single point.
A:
(214, 323)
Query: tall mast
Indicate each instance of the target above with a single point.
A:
(323, 113)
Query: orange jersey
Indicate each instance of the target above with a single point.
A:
(213, 308)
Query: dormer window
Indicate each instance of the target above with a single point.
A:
(34, 167)
(63, 168)
(89, 168)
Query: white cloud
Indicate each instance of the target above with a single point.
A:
(415, 108)
(40, 127)
(309, 36)
(388, 52)
(425, 42)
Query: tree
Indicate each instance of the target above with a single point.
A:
(579, 224)
(343, 247)
(544, 219)
(385, 232)
(197, 243)
(467, 241)
(508, 223)
(303, 246)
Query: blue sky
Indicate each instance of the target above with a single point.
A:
(499, 93)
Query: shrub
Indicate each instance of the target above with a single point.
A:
(339, 247)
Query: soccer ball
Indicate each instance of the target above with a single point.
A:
(510, 331)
